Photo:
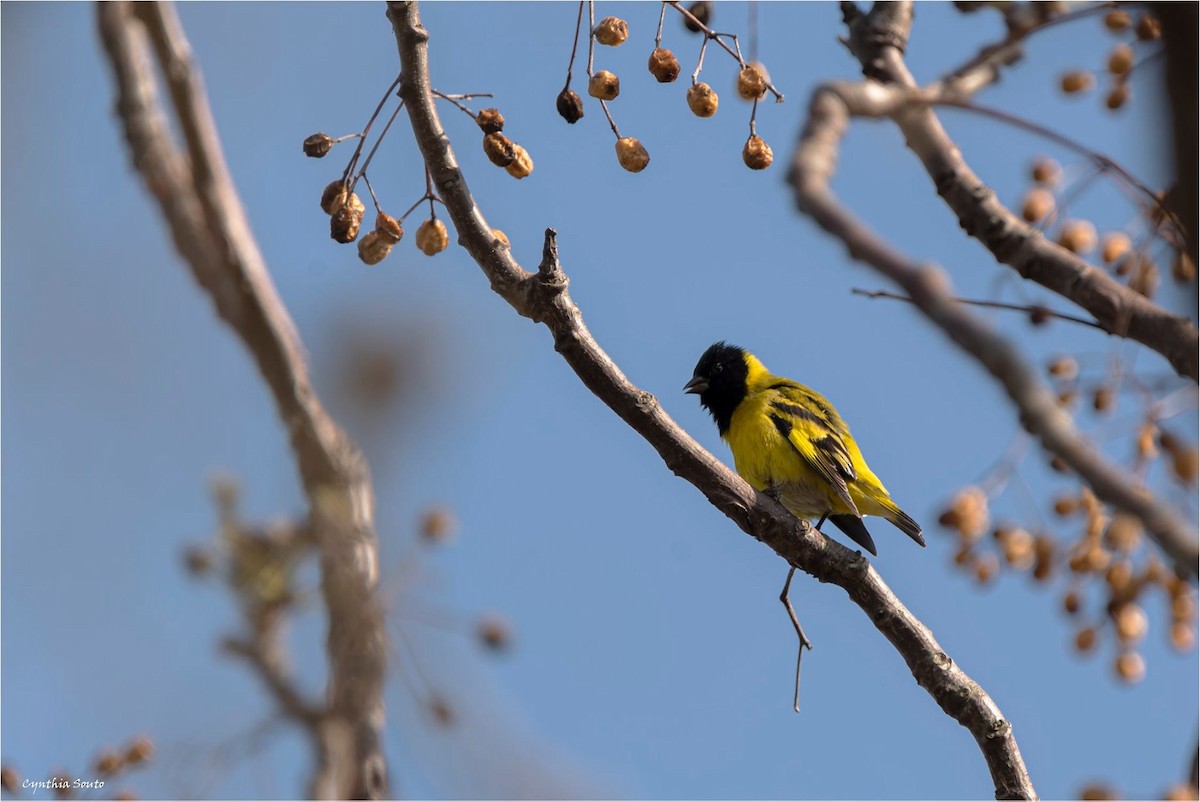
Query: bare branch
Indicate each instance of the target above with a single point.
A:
(813, 166)
(1041, 311)
(200, 204)
(543, 297)
(877, 40)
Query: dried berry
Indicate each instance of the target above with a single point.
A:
(756, 153)
(663, 65)
(10, 780)
(317, 145)
(1039, 315)
(1120, 60)
(1130, 667)
(1113, 246)
(1145, 278)
(522, 163)
(198, 561)
(751, 82)
(495, 633)
(570, 106)
(1124, 533)
(389, 228)
(347, 220)
(1183, 269)
(1103, 397)
(437, 525)
(1183, 637)
(1148, 28)
(967, 513)
(1071, 603)
(702, 11)
(1046, 171)
(1038, 203)
(632, 154)
(1077, 81)
(490, 121)
(1146, 447)
(612, 31)
(1063, 367)
(373, 248)
(141, 750)
(1130, 621)
(604, 85)
(500, 149)
(1077, 236)
(1186, 463)
(986, 568)
(1066, 505)
(1117, 20)
(702, 100)
(1117, 97)
(333, 196)
(1085, 640)
(432, 236)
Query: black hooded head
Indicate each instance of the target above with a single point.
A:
(720, 380)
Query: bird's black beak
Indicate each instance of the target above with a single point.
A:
(697, 385)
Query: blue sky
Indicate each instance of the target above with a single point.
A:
(652, 657)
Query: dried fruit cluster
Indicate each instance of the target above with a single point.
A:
(753, 84)
(1121, 59)
(108, 764)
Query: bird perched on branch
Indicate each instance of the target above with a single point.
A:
(789, 441)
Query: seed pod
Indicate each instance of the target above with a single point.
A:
(967, 513)
(1039, 315)
(1063, 367)
(432, 236)
(702, 11)
(347, 220)
(604, 85)
(1120, 60)
(522, 163)
(1146, 447)
(751, 82)
(317, 145)
(1124, 533)
(1148, 28)
(1077, 81)
(389, 228)
(569, 105)
(1038, 203)
(663, 65)
(1077, 236)
(490, 121)
(702, 100)
(1117, 20)
(1113, 246)
(333, 196)
(1185, 463)
(632, 154)
(1130, 667)
(1182, 606)
(1183, 269)
(756, 153)
(499, 149)
(612, 31)
(986, 568)
(1103, 397)
(1131, 623)
(108, 762)
(1046, 171)
(1018, 549)
(1119, 576)
(501, 237)
(1117, 97)
(373, 248)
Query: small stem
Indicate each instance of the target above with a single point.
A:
(370, 189)
(574, 46)
(429, 192)
(662, 15)
(709, 34)
(753, 117)
(700, 61)
(454, 99)
(987, 304)
(591, 35)
(375, 147)
(363, 136)
(611, 122)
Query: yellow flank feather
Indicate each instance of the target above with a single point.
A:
(787, 439)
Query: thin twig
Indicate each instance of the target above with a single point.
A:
(350, 165)
(735, 54)
(574, 46)
(378, 141)
(1028, 310)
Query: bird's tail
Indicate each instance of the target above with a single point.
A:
(903, 521)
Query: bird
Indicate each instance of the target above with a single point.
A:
(789, 442)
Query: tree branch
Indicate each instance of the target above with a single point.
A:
(543, 297)
(204, 213)
(813, 166)
(878, 43)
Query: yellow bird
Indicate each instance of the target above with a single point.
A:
(789, 441)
